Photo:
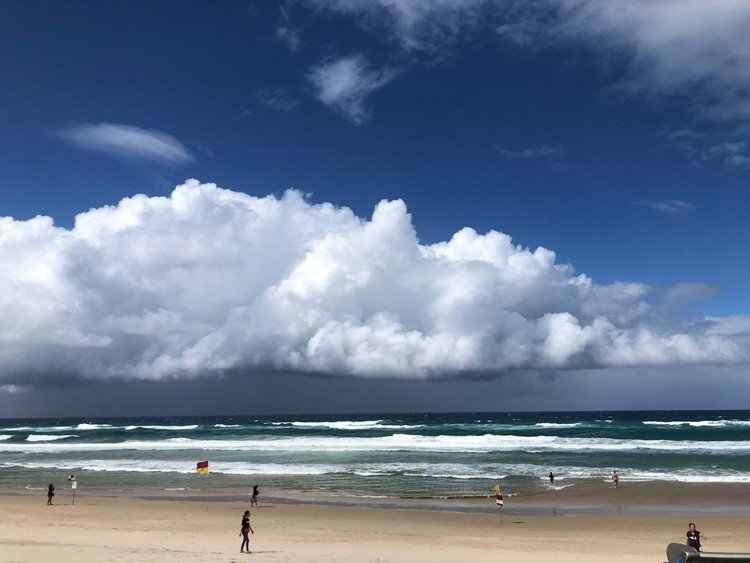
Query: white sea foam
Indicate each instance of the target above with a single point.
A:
(349, 425)
(185, 467)
(398, 442)
(441, 470)
(558, 424)
(160, 427)
(5, 436)
(91, 426)
(698, 423)
(37, 428)
(420, 470)
(49, 437)
(226, 425)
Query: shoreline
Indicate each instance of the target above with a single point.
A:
(587, 498)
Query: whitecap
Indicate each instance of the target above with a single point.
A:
(49, 437)
(348, 425)
(91, 426)
(37, 428)
(162, 427)
(397, 442)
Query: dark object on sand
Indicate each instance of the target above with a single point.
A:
(50, 493)
(681, 553)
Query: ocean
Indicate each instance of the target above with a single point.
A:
(374, 455)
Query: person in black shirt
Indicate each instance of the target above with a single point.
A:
(551, 478)
(694, 537)
(254, 498)
(244, 531)
(50, 493)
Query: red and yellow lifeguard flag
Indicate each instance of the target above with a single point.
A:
(201, 468)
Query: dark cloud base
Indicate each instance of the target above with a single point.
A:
(290, 393)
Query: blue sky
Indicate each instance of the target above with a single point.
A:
(618, 140)
(198, 73)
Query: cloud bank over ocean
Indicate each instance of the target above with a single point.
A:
(210, 280)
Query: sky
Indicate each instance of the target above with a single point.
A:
(373, 206)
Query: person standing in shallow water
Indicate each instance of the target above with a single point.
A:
(50, 494)
(615, 479)
(551, 478)
(244, 530)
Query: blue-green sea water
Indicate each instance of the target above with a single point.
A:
(379, 455)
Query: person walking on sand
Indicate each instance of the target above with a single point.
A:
(50, 494)
(694, 537)
(254, 498)
(244, 531)
(615, 478)
(551, 479)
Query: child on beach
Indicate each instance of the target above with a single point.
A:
(244, 531)
(694, 537)
(254, 498)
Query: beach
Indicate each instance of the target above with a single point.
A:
(630, 524)
(398, 487)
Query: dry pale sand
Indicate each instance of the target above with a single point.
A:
(120, 529)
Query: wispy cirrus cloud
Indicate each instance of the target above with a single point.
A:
(417, 25)
(289, 36)
(693, 53)
(285, 31)
(552, 155)
(730, 153)
(127, 141)
(345, 84)
(691, 49)
(667, 206)
(279, 99)
(727, 148)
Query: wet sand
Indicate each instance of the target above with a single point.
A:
(590, 523)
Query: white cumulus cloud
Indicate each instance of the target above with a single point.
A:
(127, 141)
(210, 280)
